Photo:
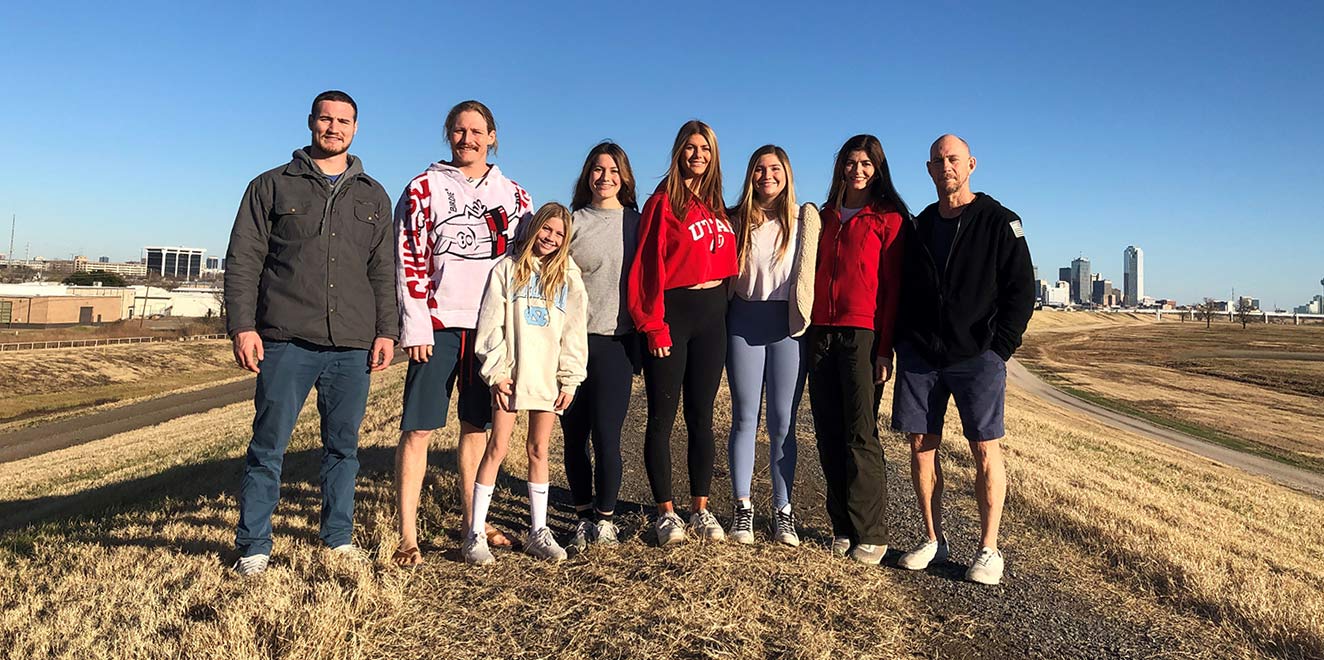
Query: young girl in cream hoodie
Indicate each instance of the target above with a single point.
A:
(532, 342)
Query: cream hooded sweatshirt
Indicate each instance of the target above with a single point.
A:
(542, 346)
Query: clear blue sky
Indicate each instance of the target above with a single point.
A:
(1190, 129)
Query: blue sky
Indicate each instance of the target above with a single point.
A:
(1189, 129)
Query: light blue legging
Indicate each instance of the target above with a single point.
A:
(761, 351)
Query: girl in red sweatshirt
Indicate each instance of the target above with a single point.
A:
(677, 298)
(856, 287)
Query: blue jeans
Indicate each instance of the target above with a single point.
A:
(760, 351)
(289, 370)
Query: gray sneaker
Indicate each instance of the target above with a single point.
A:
(475, 550)
(783, 528)
(606, 533)
(543, 545)
(868, 553)
(987, 567)
(706, 527)
(670, 529)
(742, 524)
(585, 531)
(840, 545)
(920, 558)
(251, 565)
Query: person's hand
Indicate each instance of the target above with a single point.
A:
(665, 351)
(248, 350)
(379, 357)
(882, 371)
(419, 353)
(563, 401)
(501, 394)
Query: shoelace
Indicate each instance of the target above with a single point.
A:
(669, 520)
(785, 521)
(983, 558)
(706, 518)
(744, 521)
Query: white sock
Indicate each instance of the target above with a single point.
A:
(537, 506)
(482, 500)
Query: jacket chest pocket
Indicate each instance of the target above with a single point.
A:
(366, 220)
(295, 220)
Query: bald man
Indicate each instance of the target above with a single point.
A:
(967, 292)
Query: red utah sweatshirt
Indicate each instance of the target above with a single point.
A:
(858, 279)
(675, 253)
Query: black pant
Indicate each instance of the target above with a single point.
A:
(845, 405)
(598, 412)
(698, 353)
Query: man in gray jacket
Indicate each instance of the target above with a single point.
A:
(310, 298)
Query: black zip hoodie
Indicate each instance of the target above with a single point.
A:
(984, 298)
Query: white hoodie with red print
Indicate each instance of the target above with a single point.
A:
(449, 233)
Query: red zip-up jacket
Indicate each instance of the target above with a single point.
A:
(858, 280)
(673, 254)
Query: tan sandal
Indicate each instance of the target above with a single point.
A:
(496, 538)
(407, 557)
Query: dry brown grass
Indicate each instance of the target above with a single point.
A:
(148, 579)
(1235, 382)
(48, 381)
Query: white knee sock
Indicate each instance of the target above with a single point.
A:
(482, 500)
(537, 506)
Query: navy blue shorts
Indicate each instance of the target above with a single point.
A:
(428, 385)
(978, 384)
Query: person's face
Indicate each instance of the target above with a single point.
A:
(604, 178)
(550, 237)
(859, 170)
(333, 124)
(950, 165)
(695, 156)
(470, 138)
(769, 178)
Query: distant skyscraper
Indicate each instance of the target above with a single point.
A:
(1080, 280)
(1133, 276)
(103, 260)
(1064, 274)
(177, 262)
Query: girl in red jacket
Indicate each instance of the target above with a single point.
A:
(856, 289)
(678, 302)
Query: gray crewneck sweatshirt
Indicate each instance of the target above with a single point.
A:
(602, 245)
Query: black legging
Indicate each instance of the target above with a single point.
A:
(598, 412)
(698, 354)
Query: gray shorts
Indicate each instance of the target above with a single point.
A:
(978, 384)
(428, 385)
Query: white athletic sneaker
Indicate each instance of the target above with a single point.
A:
(251, 565)
(987, 567)
(352, 553)
(868, 553)
(742, 524)
(920, 558)
(543, 545)
(706, 527)
(783, 528)
(840, 545)
(585, 530)
(475, 550)
(670, 528)
(606, 534)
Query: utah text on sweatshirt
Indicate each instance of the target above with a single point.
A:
(450, 233)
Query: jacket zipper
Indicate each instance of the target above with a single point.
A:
(330, 200)
(836, 268)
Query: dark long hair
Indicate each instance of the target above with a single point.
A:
(880, 188)
(626, 195)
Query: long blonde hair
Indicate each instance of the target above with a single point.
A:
(552, 273)
(709, 188)
(748, 215)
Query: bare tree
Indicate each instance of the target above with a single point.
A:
(1244, 311)
(1205, 309)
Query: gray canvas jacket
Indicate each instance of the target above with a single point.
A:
(311, 261)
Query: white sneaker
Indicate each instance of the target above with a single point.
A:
(706, 527)
(352, 553)
(742, 524)
(868, 553)
(476, 552)
(543, 545)
(585, 530)
(783, 527)
(987, 567)
(606, 534)
(251, 565)
(920, 558)
(670, 529)
(840, 545)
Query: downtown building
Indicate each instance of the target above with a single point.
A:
(1081, 282)
(1133, 276)
(175, 262)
